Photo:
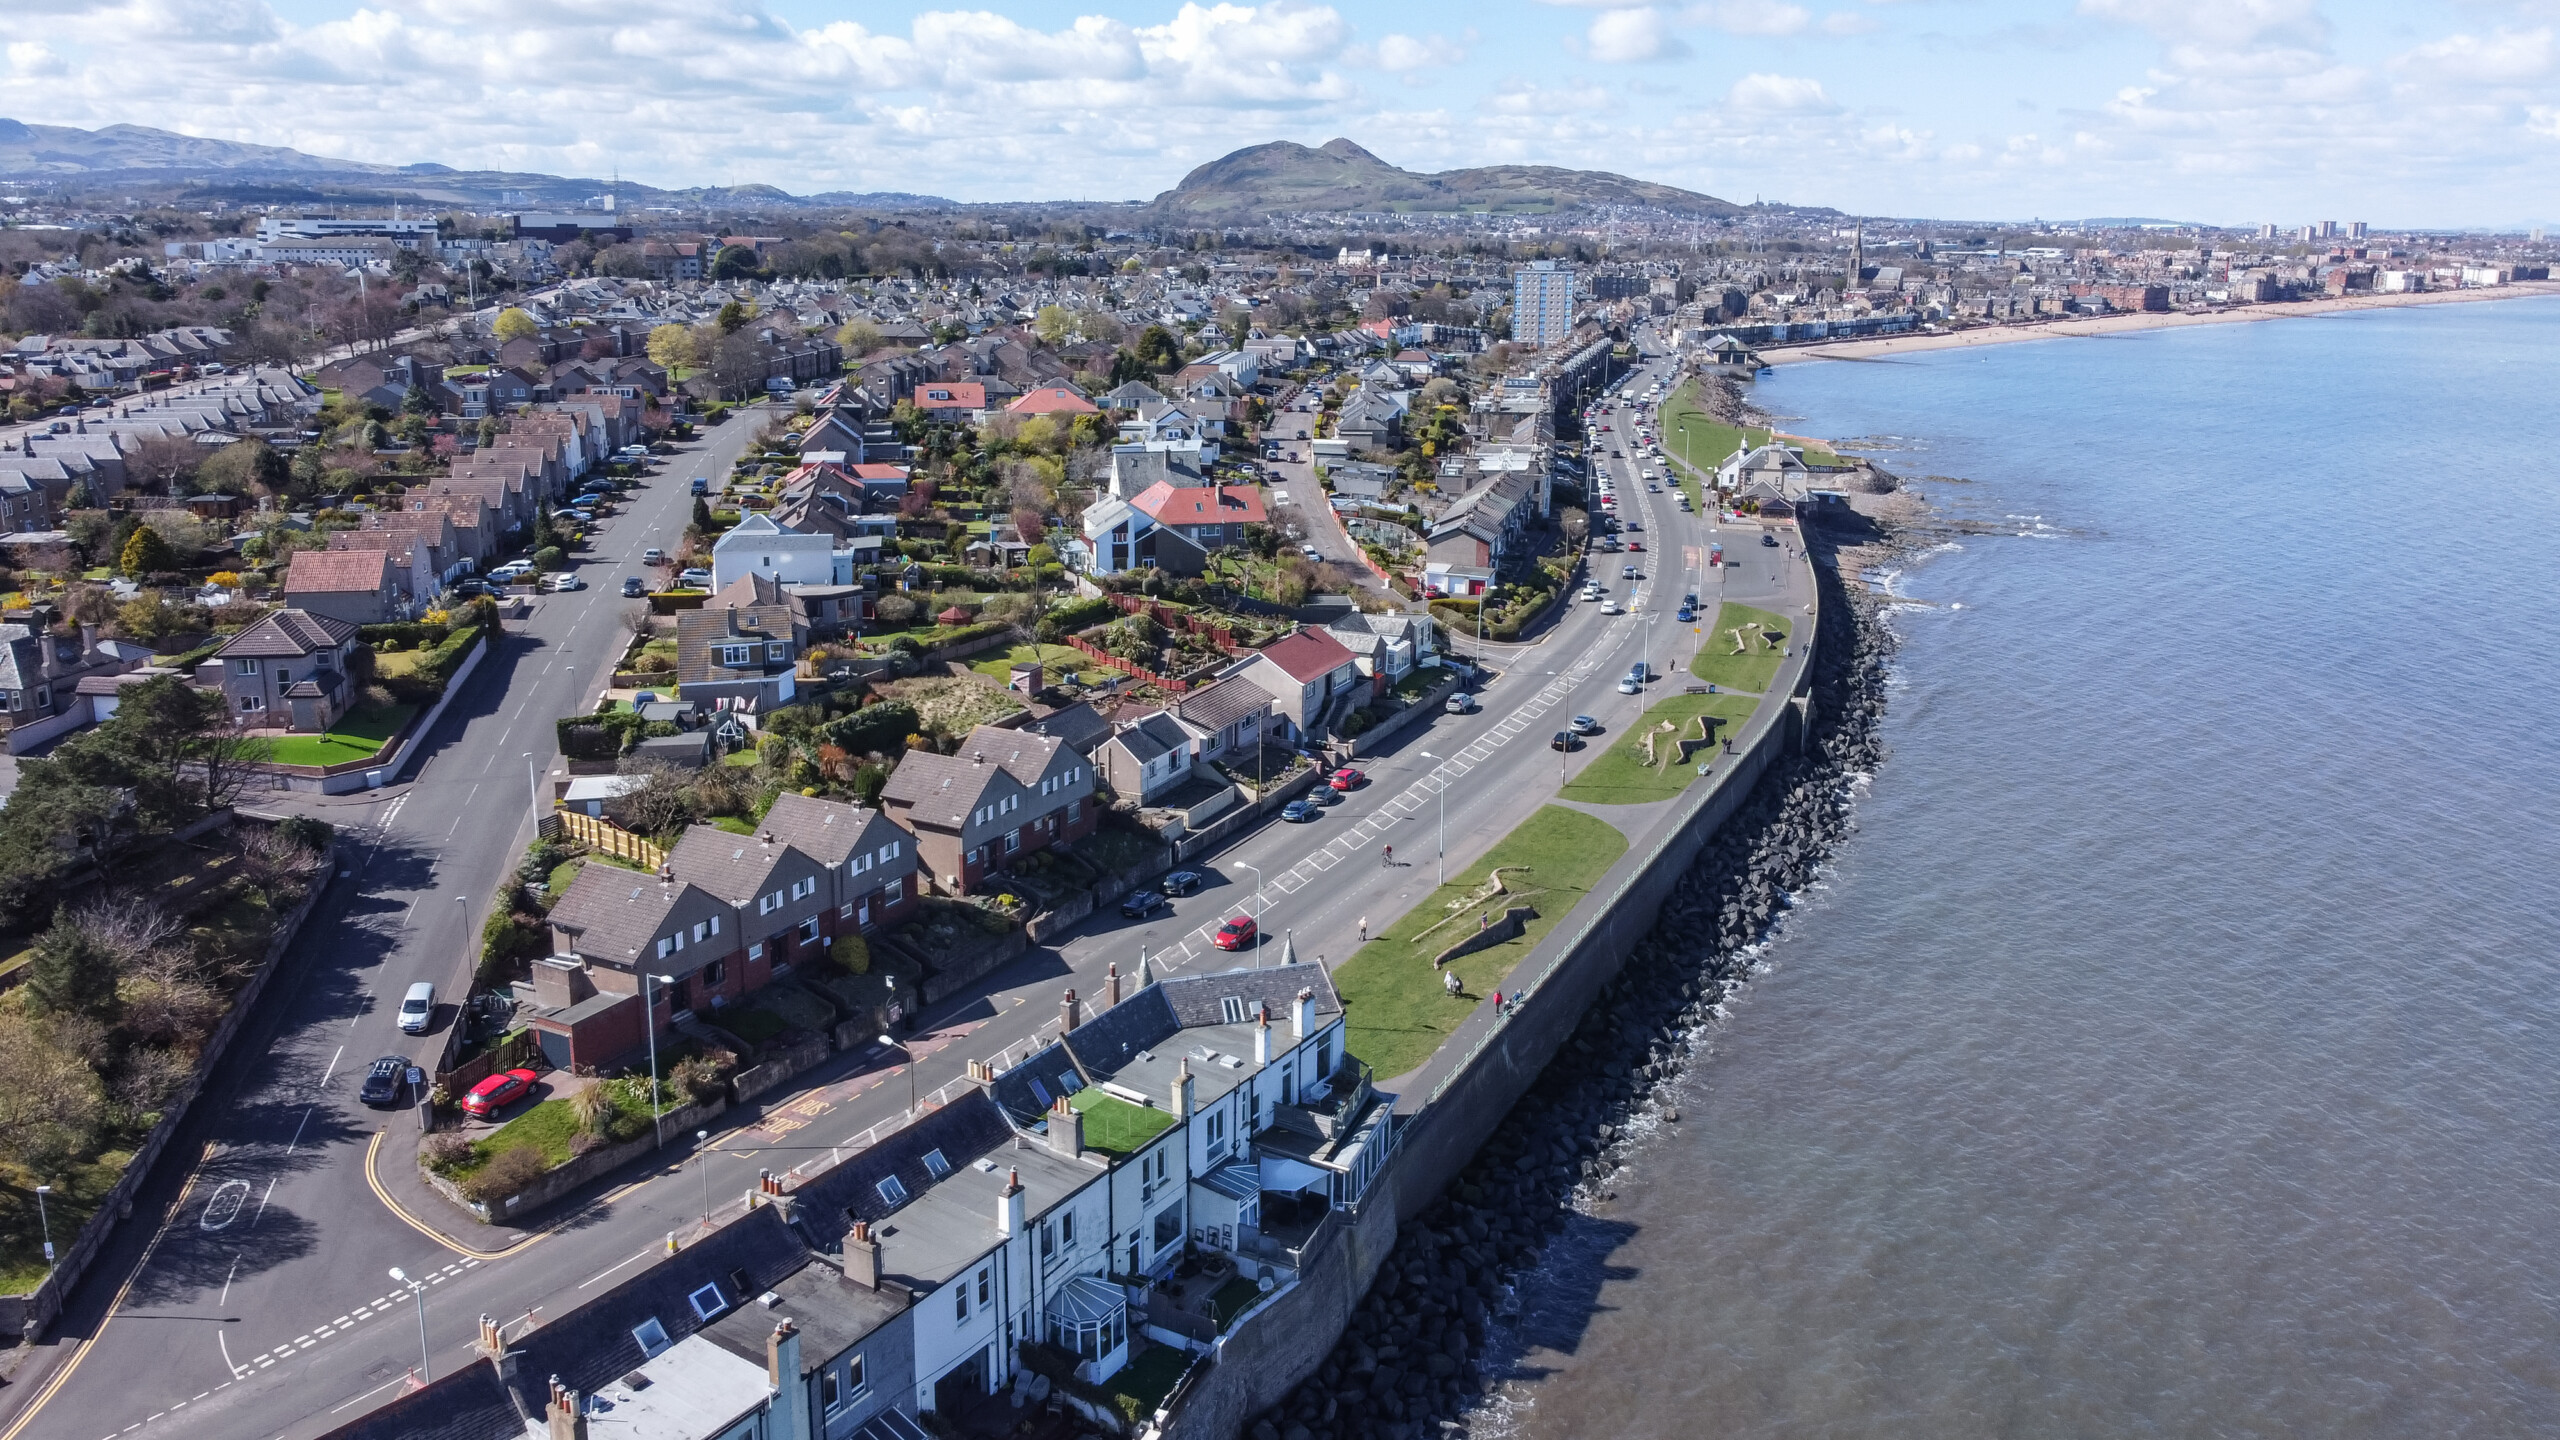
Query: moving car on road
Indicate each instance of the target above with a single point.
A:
(418, 1007)
(653, 556)
(563, 584)
(383, 1079)
(498, 1092)
(1610, 607)
(1239, 933)
(633, 585)
(1461, 703)
(1769, 540)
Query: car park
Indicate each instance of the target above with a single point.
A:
(497, 1092)
(1143, 903)
(1299, 811)
(418, 1008)
(1238, 934)
(1182, 882)
(383, 1079)
(1347, 778)
(634, 586)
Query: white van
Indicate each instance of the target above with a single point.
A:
(419, 1008)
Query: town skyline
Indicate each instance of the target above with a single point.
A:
(2431, 116)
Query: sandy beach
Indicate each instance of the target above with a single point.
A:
(2096, 325)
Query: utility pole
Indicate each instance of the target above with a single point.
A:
(426, 1357)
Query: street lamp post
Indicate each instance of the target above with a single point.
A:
(649, 1017)
(1444, 817)
(702, 1163)
(1257, 896)
(532, 788)
(45, 1218)
(911, 1075)
(426, 1358)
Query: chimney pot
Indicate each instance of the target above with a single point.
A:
(1067, 1013)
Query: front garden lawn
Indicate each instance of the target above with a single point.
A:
(359, 735)
(1061, 662)
(1396, 1010)
(1619, 776)
(547, 1127)
(1756, 664)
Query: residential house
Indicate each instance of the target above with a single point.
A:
(1060, 402)
(1146, 758)
(952, 402)
(356, 586)
(288, 671)
(1225, 717)
(818, 611)
(1118, 536)
(738, 657)
(756, 545)
(871, 862)
(1388, 646)
(1308, 676)
(1370, 420)
(1210, 516)
(1005, 794)
(1487, 526)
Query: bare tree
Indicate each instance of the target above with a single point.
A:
(661, 801)
(129, 927)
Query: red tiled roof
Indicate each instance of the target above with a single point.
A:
(953, 397)
(336, 571)
(1170, 504)
(1308, 655)
(1052, 400)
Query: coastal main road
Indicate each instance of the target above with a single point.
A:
(307, 1329)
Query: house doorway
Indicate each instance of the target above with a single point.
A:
(964, 1385)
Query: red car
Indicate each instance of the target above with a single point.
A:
(1635, 547)
(1239, 933)
(498, 1092)
(1347, 778)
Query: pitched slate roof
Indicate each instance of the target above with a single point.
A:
(943, 789)
(1024, 757)
(615, 911)
(962, 1131)
(289, 634)
(1109, 1040)
(824, 830)
(1222, 703)
(1027, 1090)
(1080, 725)
(733, 867)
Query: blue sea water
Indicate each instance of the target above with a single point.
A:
(2175, 1049)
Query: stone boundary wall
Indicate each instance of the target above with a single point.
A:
(1429, 703)
(28, 1315)
(1260, 1362)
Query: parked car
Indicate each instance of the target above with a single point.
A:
(418, 1008)
(1564, 740)
(1298, 812)
(1182, 882)
(1347, 778)
(634, 585)
(1143, 903)
(694, 579)
(512, 571)
(1326, 796)
(1461, 703)
(472, 587)
(653, 556)
(498, 1092)
(701, 486)
(1769, 540)
(1630, 685)
(1584, 725)
(383, 1079)
(1635, 547)
(1239, 933)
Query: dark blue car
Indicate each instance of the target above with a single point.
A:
(1299, 811)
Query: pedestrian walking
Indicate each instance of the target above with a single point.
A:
(1497, 1002)
(1364, 929)
(1388, 853)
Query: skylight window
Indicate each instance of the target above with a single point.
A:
(652, 1337)
(706, 1302)
(891, 1191)
(935, 1165)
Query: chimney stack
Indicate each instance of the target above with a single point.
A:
(1067, 1013)
(862, 1256)
(1182, 1090)
(1302, 1015)
(782, 1353)
(567, 1417)
(1261, 1036)
(1111, 985)
(1009, 1208)
(1066, 1129)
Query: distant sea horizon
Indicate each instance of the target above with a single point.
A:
(2174, 1049)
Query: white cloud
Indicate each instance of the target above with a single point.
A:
(1627, 37)
(32, 58)
(1404, 54)
(1780, 94)
(2219, 22)
(1749, 17)
(2505, 58)
(1849, 22)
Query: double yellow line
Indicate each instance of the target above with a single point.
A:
(80, 1352)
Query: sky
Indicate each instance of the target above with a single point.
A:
(2218, 111)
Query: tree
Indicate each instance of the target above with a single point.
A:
(165, 463)
(50, 1100)
(673, 347)
(1056, 325)
(146, 554)
(514, 323)
(661, 801)
(733, 315)
(858, 337)
(243, 467)
(1157, 350)
(72, 974)
(735, 262)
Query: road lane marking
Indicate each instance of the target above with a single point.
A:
(63, 1376)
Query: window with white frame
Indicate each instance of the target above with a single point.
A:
(737, 654)
(892, 1192)
(652, 1337)
(706, 1302)
(935, 1165)
(809, 931)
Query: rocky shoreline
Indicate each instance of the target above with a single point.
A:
(1414, 1360)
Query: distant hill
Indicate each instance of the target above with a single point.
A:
(140, 155)
(1340, 176)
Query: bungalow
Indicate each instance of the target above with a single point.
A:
(1210, 516)
(1146, 758)
(952, 402)
(738, 657)
(1004, 794)
(1054, 400)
